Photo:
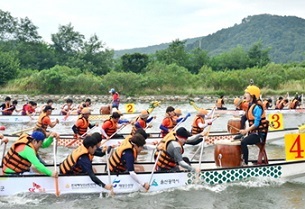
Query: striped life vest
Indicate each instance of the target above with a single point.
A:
(264, 123)
(83, 129)
(195, 128)
(165, 160)
(69, 164)
(13, 160)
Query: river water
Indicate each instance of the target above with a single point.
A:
(254, 193)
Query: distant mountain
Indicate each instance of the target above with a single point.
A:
(284, 35)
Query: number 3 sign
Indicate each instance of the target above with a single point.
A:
(294, 146)
(276, 122)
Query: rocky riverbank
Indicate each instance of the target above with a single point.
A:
(107, 98)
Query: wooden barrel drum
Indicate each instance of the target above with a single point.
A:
(234, 125)
(105, 110)
(227, 153)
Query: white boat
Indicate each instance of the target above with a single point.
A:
(123, 183)
(272, 136)
(15, 119)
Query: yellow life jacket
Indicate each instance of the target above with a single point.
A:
(264, 123)
(165, 160)
(115, 160)
(195, 128)
(69, 164)
(13, 160)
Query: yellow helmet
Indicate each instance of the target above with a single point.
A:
(202, 112)
(178, 112)
(144, 114)
(253, 90)
(237, 101)
(85, 111)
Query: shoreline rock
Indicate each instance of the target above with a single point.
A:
(107, 98)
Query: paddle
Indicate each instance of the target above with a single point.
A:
(192, 102)
(201, 151)
(16, 133)
(119, 129)
(57, 193)
(4, 148)
(82, 136)
(108, 170)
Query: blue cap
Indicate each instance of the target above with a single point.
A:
(38, 135)
(112, 90)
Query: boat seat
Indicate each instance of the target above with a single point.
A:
(262, 154)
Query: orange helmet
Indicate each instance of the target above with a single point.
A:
(202, 112)
(237, 101)
(85, 111)
(144, 114)
(178, 112)
(253, 90)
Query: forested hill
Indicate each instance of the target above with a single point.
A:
(284, 35)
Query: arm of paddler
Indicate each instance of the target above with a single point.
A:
(47, 142)
(29, 154)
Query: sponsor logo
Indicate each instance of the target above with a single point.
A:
(154, 183)
(36, 188)
(83, 186)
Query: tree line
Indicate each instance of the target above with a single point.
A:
(72, 64)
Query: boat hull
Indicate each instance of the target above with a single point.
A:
(123, 183)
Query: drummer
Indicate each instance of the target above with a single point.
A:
(258, 124)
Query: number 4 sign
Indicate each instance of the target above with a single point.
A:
(294, 146)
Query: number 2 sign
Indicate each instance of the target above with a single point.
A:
(295, 146)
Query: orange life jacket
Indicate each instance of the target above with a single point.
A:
(115, 160)
(165, 160)
(83, 129)
(134, 128)
(39, 123)
(13, 160)
(293, 104)
(170, 127)
(112, 129)
(264, 123)
(7, 112)
(195, 128)
(69, 164)
(219, 103)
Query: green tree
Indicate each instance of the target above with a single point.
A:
(8, 26)
(135, 62)
(258, 56)
(198, 58)
(9, 65)
(27, 31)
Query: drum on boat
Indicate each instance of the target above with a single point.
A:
(234, 125)
(105, 110)
(227, 153)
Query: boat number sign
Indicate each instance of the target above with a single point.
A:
(295, 146)
(130, 108)
(276, 122)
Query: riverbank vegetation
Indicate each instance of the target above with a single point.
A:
(73, 65)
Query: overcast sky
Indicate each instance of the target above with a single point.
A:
(124, 24)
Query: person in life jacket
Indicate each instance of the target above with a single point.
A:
(281, 103)
(115, 101)
(22, 155)
(111, 126)
(220, 103)
(82, 124)
(267, 103)
(7, 108)
(68, 108)
(295, 102)
(171, 148)
(29, 109)
(123, 158)
(240, 104)
(258, 124)
(80, 162)
(44, 121)
(168, 122)
(142, 121)
(86, 104)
